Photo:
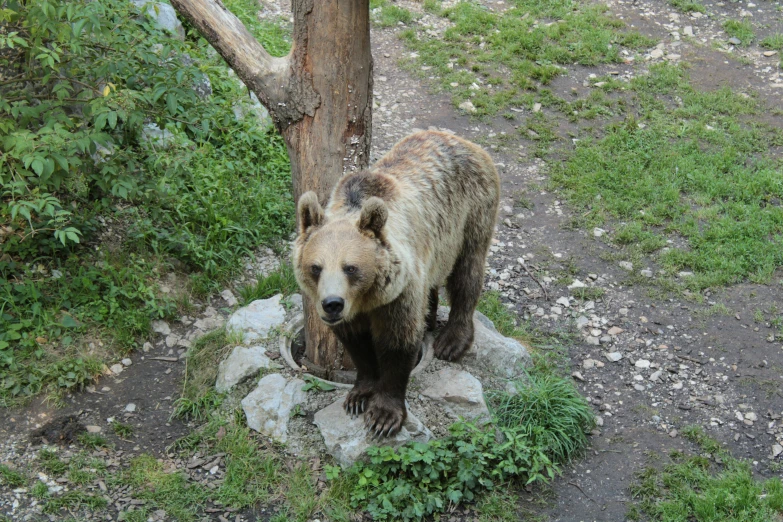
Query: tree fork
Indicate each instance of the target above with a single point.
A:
(320, 98)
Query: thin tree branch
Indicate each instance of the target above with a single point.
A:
(270, 78)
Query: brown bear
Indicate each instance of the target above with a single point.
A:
(421, 217)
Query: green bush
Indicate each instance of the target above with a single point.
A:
(93, 213)
(532, 432)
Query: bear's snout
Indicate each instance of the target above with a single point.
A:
(333, 308)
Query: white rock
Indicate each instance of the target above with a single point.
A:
(588, 364)
(161, 327)
(153, 136)
(677, 385)
(593, 340)
(254, 109)
(257, 320)
(117, 369)
(347, 439)
(296, 301)
(777, 449)
(269, 406)
(563, 301)
(208, 324)
(467, 106)
(582, 321)
(638, 387)
(647, 272)
(598, 232)
(459, 392)
(126, 362)
(171, 340)
(688, 30)
(93, 429)
(228, 297)
(491, 351)
(243, 363)
(642, 363)
(130, 408)
(751, 416)
(626, 265)
(164, 15)
(656, 375)
(656, 53)
(576, 284)
(614, 356)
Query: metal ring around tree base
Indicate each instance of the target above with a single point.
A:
(297, 324)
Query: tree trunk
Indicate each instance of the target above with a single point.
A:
(320, 97)
(331, 49)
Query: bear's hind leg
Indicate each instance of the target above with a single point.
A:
(464, 286)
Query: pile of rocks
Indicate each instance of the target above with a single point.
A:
(313, 422)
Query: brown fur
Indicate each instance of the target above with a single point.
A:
(421, 217)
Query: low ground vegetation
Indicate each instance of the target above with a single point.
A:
(95, 215)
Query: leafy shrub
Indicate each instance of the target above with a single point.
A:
(93, 212)
(532, 433)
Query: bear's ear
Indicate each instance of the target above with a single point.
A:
(373, 216)
(309, 212)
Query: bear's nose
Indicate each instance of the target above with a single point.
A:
(333, 305)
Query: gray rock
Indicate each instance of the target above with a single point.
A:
(228, 297)
(116, 369)
(257, 320)
(467, 106)
(203, 87)
(491, 351)
(126, 362)
(296, 302)
(209, 323)
(614, 356)
(130, 408)
(161, 327)
(243, 363)
(459, 392)
(164, 15)
(735, 41)
(254, 109)
(347, 439)
(155, 137)
(626, 265)
(500, 355)
(269, 406)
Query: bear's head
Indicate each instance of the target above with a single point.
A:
(337, 261)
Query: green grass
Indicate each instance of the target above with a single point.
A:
(703, 490)
(467, 61)
(123, 431)
(388, 14)
(741, 29)
(280, 281)
(196, 210)
(11, 478)
(774, 41)
(198, 396)
(688, 6)
(695, 170)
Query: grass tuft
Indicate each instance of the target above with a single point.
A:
(740, 29)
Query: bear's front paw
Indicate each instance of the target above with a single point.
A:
(453, 341)
(385, 415)
(357, 398)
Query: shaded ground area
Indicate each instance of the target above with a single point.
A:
(651, 354)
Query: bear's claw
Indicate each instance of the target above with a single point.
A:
(356, 399)
(384, 417)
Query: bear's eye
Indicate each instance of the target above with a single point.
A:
(315, 270)
(350, 269)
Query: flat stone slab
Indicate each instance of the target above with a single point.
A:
(459, 392)
(243, 363)
(347, 439)
(269, 406)
(257, 320)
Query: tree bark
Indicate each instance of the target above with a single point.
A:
(320, 97)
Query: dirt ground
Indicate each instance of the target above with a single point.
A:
(680, 365)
